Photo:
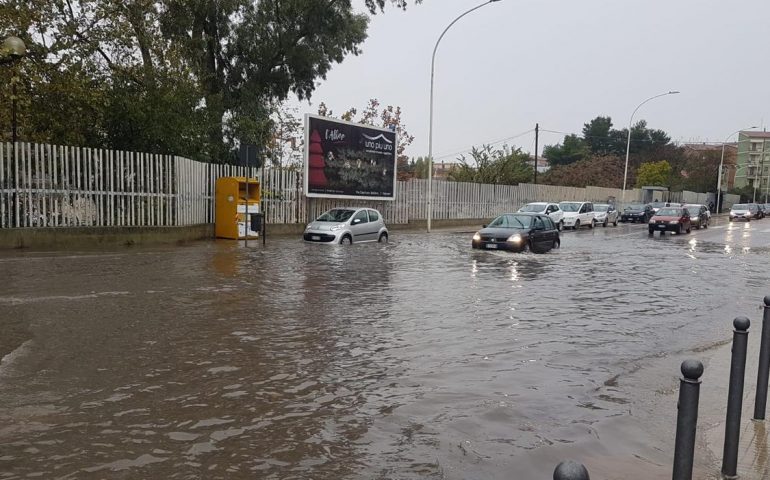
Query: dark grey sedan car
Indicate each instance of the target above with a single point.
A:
(518, 232)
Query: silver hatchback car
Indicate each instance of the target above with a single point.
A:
(347, 225)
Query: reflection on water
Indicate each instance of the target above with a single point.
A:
(416, 359)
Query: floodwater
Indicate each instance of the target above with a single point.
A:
(416, 359)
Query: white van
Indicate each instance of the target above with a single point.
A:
(578, 214)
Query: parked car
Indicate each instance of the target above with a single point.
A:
(606, 214)
(544, 208)
(762, 211)
(346, 226)
(743, 211)
(699, 217)
(518, 232)
(637, 213)
(670, 219)
(577, 214)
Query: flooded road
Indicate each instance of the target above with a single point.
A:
(416, 359)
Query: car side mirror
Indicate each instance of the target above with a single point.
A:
(484, 226)
(356, 221)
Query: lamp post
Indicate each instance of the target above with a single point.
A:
(628, 144)
(721, 163)
(13, 49)
(430, 128)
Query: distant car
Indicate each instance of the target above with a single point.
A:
(577, 214)
(606, 214)
(699, 217)
(544, 208)
(637, 213)
(743, 211)
(762, 211)
(518, 232)
(346, 226)
(670, 219)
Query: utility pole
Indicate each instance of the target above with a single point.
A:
(537, 133)
(758, 172)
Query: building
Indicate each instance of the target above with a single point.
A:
(729, 168)
(753, 164)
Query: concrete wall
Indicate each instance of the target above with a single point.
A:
(83, 237)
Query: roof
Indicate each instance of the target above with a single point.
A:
(753, 134)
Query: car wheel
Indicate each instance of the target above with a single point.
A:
(560, 225)
(577, 225)
(689, 229)
(606, 222)
(556, 244)
(383, 238)
(615, 223)
(651, 230)
(593, 224)
(346, 240)
(679, 229)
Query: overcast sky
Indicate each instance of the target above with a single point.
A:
(561, 63)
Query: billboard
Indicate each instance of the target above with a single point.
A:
(349, 160)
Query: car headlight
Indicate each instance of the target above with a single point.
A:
(515, 238)
(673, 222)
(308, 227)
(476, 237)
(337, 227)
(652, 221)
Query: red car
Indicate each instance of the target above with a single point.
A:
(670, 219)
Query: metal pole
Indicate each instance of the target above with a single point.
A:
(628, 142)
(760, 402)
(687, 419)
(430, 127)
(719, 176)
(248, 171)
(537, 133)
(735, 397)
(570, 470)
(13, 110)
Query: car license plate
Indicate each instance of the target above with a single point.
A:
(662, 227)
(491, 245)
(316, 238)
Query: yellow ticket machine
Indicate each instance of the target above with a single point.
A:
(235, 198)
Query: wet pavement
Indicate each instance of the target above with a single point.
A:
(417, 359)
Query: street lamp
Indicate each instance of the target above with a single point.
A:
(13, 49)
(430, 129)
(628, 144)
(721, 163)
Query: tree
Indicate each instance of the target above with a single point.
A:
(506, 166)
(596, 135)
(572, 150)
(191, 77)
(654, 174)
(599, 171)
(385, 117)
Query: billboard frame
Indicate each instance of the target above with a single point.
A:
(306, 158)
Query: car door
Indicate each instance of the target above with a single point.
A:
(551, 233)
(376, 223)
(359, 226)
(539, 234)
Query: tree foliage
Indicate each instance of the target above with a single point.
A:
(654, 174)
(599, 171)
(505, 166)
(191, 77)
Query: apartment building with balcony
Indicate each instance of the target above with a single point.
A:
(753, 164)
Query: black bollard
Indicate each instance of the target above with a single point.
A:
(687, 419)
(735, 397)
(760, 403)
(570, 470)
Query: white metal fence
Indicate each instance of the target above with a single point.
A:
(59, 186)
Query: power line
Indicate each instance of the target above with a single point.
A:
(485, 143)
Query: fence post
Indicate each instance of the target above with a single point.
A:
(687, 419)
(735, 397)
(760, 402)
(570, 470)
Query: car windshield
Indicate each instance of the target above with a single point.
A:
(533, 207)
(635, 207)
(693, 209)
(570, 206)
(740, 206)
(601, 208)
(336, 215)
(670, 212)
(511, 221)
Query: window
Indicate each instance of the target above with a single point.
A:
(589, 207)
(373, 217)
(583, 208)
(549, 224)
(539, 225)
(361, 216)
